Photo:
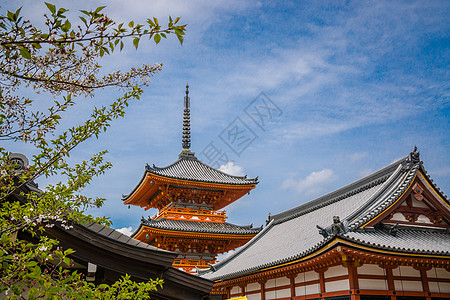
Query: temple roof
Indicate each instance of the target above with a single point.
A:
(200, 227)
(188, 167)
(356, 204)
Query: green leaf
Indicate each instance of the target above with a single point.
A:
(157, 38)
(10, 16)
(136, 42)
(51, 7)
(66, 26)
(121, 45)
(99, 9)
(84, 20)
(25, 53)
(131, 24)
(30, 264)
(180, 38)
(61, 11)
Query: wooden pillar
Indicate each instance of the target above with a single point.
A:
(390, 280)
(292, 283)
(243, 290)
(353, 280)
(229, 292)
(424, 278)
(322, 280)
(263, 288)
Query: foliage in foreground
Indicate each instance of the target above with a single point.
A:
(62, 63)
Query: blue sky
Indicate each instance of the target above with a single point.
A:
(356, 84)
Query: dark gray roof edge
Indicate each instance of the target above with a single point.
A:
(244, 177)
(408, 176)
(200, 284)
(433, 184)
(363, 183)
(364, 206)
(131, 241)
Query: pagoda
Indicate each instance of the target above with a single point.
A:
(190, 196)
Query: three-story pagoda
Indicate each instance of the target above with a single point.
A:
(190, 196)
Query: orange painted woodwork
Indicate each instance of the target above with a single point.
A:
(189, 196)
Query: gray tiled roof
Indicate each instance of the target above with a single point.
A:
(201, 227)
(188, 167)
(293, 234)
(406, 239)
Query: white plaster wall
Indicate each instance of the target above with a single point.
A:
(372, 284)
(408, 286)
(370, 270)
(417, 203)
(307, 276)
(406, 271)
(338, 285)
(281, 294)
(254, 297)
(336, 271)
(444, 287)
(439, 272)
(283, 281)
(235, 290)
(270, 283)
(313, 289)
(433, 287)
(423, 219)
(300, 291)
(398, 217)
(253, 287)
(270, 295)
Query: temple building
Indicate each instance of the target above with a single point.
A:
(190, 196)
(386, 236)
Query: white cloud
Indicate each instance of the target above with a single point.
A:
(126, 230)
(312, 184)
(226, 255)
(232, 169)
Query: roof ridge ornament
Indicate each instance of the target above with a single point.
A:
(336, 228)
(186, 141)
(412, 159)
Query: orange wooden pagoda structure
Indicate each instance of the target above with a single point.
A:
(190, 196)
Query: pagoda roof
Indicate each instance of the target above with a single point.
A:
(293, 234)
(199, 227)
(188, 167)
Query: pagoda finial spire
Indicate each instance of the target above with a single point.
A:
(187, 121)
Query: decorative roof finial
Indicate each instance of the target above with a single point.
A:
(186, 121)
